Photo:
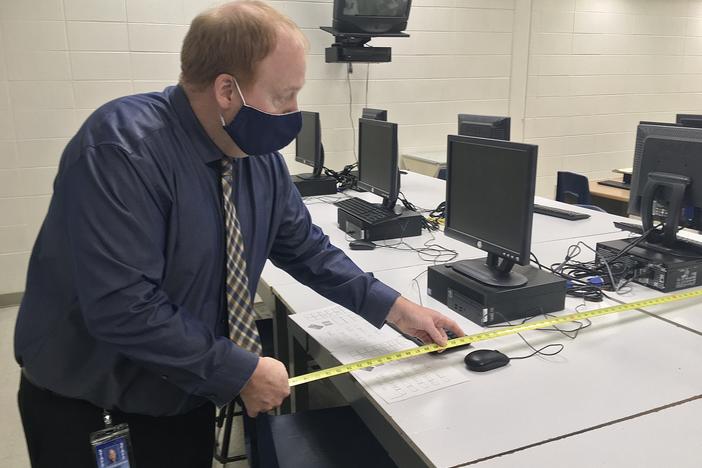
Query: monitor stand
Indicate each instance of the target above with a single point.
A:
(493, 271)
(668, 189)
(310, 185)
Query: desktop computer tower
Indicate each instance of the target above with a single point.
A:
(408, 224)
(489, 305)
(656, 269)
(313, 186)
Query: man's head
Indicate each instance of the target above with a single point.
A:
(112, 455)
(252, 43)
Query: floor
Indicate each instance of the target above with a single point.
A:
(13, 451)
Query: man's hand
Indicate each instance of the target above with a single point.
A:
(426, 324)
(267, 387)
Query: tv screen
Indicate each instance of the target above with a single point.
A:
(396, 8)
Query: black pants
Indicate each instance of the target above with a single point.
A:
(57, 430)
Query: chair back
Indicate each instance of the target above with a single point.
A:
(572, 188)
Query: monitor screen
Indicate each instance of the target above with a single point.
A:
(392, 8)
(375, 17)
(308, 145)
(377, 157)
(490, 195)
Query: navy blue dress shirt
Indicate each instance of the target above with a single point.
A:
(124, 303)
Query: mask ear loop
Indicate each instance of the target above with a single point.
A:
(243, 101)
(236, 83)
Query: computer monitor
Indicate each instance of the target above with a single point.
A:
(666, 183)
(371, 16)
(378, 171)
(375, 114)
(660, 124)
(308, 144)
(484, 126)
(689, 120)
(489, 205)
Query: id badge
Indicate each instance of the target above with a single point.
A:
(112, 447)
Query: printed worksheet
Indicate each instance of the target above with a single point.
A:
(350, 338)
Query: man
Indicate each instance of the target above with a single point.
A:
(165, 209)
(112, 455)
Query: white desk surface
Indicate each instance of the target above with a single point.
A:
(428, 192)
(640, 443)
(622, 365)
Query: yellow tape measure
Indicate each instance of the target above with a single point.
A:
(487, 335)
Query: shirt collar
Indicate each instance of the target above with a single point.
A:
(206, 148)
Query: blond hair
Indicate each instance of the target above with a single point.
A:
(232, 38)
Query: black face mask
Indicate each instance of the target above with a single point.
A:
(257, 132)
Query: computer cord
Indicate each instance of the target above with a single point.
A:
(353, 129)
(430, 252)
(587, 280)
(439, 212)
(575, 286)
(428, 222)
(344, 178)
(325, 199)
(568, 333)
(415, 281)
(367, 79)
(619, 272)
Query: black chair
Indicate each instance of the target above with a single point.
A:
(324, 438)
(574, 189)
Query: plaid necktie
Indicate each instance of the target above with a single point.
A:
(242, 325)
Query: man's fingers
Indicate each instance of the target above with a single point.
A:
(446, 322)
(437, 335)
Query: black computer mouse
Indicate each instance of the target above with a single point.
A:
(361, 245)
(482, 360)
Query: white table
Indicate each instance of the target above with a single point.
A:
(623, 365)
(670, 437)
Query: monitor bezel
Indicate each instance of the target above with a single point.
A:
(520, 256)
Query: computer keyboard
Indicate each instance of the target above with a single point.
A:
(559, 213)
(615, 183)
(635, 228)
(365, 211)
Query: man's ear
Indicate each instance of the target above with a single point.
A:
(225, 92)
